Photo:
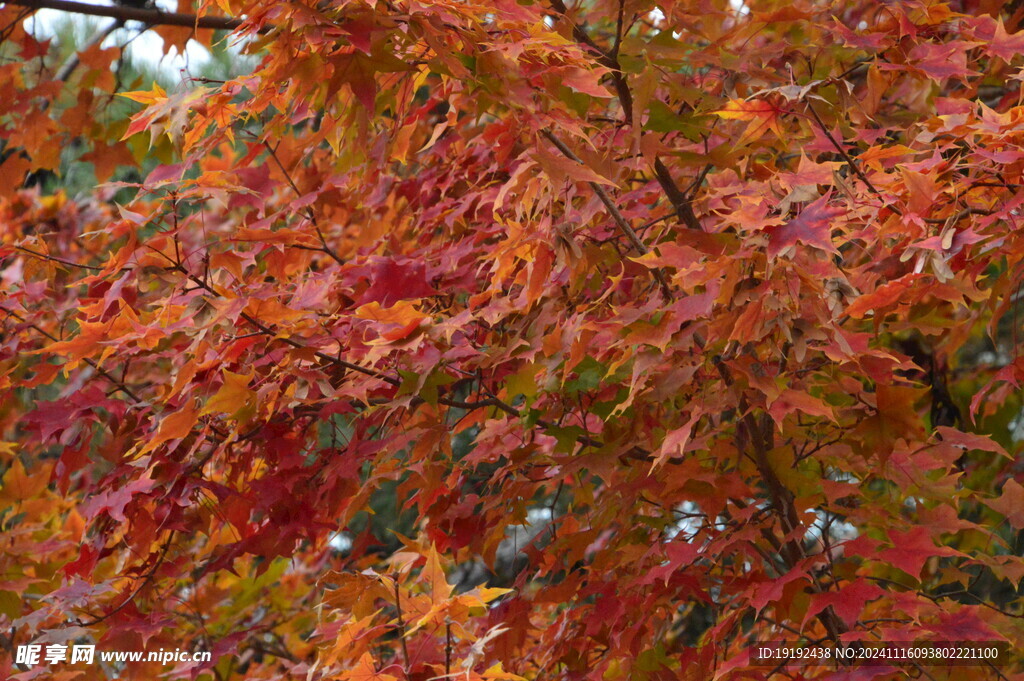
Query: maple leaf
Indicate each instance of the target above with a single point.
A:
(767, 591)
(233, 396)
(1010, 503)
(1002, 44)
(433, 573)
(559, 167)
(675, 441)
(912, 549)
(402, 312)
(812, 227)
(17, 485)
(393, 280)
(106, 161)
(847, 601)
(496, 672)
(971, 441)
(360, 30)
(52, 417)
(922, 189)
(585, 80)
(1010, 568)
(114, 502)
(12, 172)
(430, 322)
(353, 67)
(963, 625)
(679, 554)
(790, 401)
(762, 114)
(940, 62)
(157, 94)
(173, 426)
(90, 335)
(883, 297)
(894, 419)
(399, 321)
(366, 670)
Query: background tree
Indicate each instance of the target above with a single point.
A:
(650, 331)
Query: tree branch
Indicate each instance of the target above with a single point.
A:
(308, 211)
(680, 201)
(623, 225)
(605, 58)
(846, 157)
(145, 580)
(153, 17)
(610, 60)
(120, 385)
(69, 66)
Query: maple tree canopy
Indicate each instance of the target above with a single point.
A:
(517, 339)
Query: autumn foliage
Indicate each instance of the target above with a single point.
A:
(713, 305)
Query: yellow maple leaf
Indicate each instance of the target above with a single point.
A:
(366, 670)
(403, 312)
(18, 485)
(234, 395)
(762, 114)
(440, 590)
(497, 673)
(174, 426)
(401, 319)
(145, 96)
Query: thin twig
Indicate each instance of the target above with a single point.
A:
(309, 211)
(614, 54)
(677, 197)
(401, 623)
(958, 216)
(69, 66)
(145, 580)
(846, 157)
(102, 372)
(51, 258)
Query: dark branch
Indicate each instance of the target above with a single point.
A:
(605, 58)
(680, 202)
(623, 225)
(153, 17)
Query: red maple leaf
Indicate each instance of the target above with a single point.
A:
(393, 280)
(813, 227)
(912, 549)
(847, 602)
